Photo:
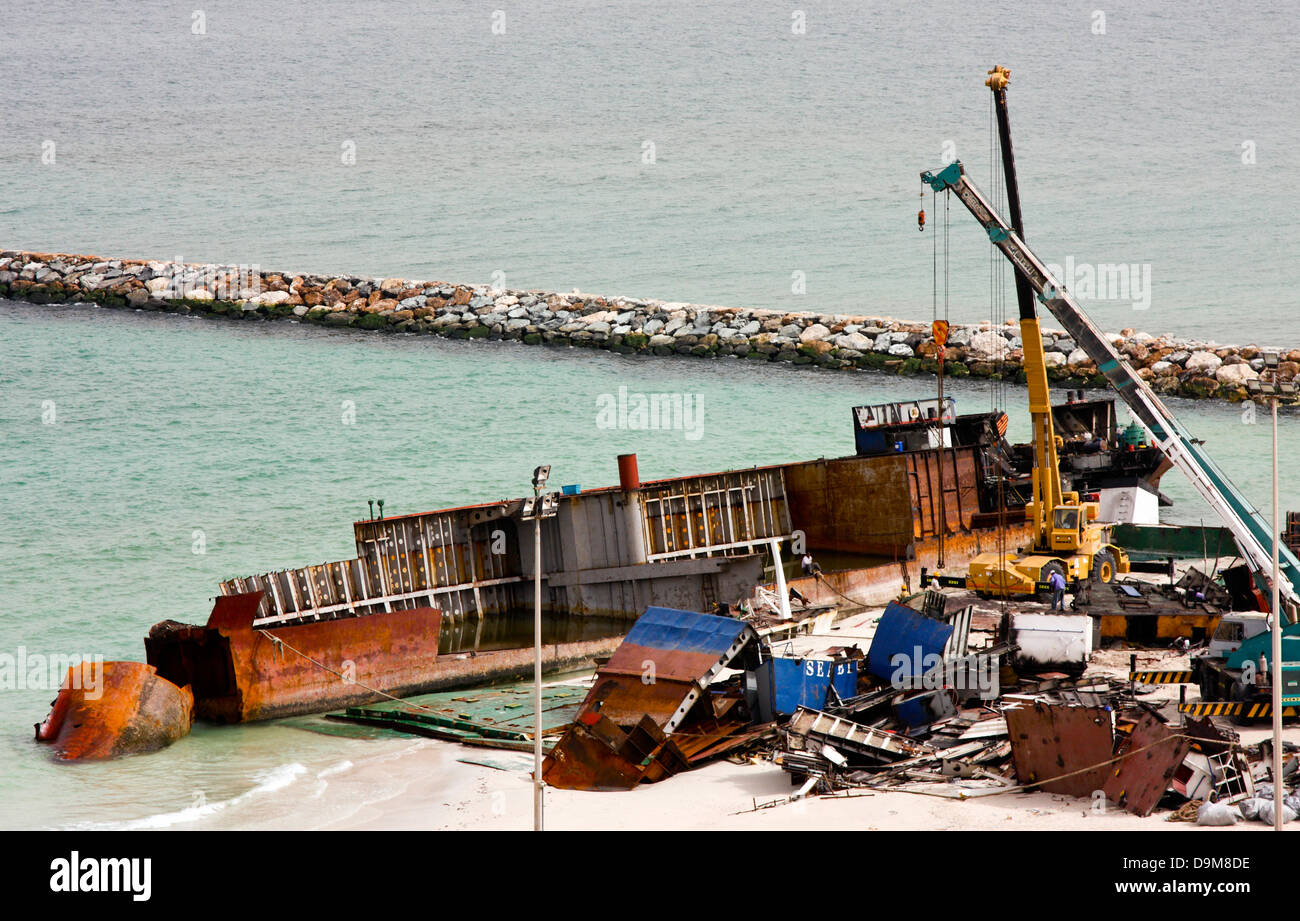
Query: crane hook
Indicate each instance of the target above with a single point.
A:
(920, 215)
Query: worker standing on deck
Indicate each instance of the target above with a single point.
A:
(1057, 583)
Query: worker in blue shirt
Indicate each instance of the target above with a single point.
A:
(1057, 583)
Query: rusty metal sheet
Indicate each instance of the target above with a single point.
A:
(115, 708)
(664, 665)
(625, 699)
(957, 479)
(667, 644)
(651, 684)
(597, 754)
(853, 504)
(1060, 749)
(1148, 758)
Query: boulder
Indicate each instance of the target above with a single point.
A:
(814, 333)
(855, 341)
(1203, 362)
(1236, 375)
(988, 344)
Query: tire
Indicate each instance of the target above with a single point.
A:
(1048, 568)
(1103, 567)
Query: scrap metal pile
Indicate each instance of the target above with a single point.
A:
(1083, 737)
(934, 704)
(656, 708)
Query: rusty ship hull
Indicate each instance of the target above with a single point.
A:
(242, 672)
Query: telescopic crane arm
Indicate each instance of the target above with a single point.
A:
(1254, 536)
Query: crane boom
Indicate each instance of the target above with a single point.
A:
(1254, 536)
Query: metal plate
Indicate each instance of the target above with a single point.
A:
(1062, 750)
(1139, 780)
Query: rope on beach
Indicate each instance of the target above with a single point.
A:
(321, 665)
(1187, 812)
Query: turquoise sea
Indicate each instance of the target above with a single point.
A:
(126, 437)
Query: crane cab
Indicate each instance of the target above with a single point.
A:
(1069, 532)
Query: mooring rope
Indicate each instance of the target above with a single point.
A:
(405, 703)
(822, 579)
(1108, 762)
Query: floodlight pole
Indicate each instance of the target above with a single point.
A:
(537, 672)
(538, 512)
(1278, 786)
(1271, 390)
(539, 481)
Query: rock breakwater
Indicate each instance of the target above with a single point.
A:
(1173, 365)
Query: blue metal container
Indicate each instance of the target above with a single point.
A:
(920, 640)
(571, 490)
(786, 684)
(845, 681)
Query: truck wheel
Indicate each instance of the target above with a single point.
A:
(1103, 567)
(1048, 568)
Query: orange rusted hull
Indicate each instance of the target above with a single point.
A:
(123, 709)
(240, 672)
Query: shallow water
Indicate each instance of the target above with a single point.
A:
(174, 434)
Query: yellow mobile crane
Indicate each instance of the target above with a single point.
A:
(1067, 536)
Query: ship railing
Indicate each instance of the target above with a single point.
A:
(757, 543)
(287, 604)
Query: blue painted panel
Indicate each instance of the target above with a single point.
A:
(785, 684)
(845, 681)
(904, 631)
(687, 631)
(917, 710)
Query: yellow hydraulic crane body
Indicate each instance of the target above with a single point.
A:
(1067, 536)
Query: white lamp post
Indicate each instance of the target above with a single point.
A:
(537, 508)
(1271, 390)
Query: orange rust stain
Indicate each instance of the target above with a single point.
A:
(125, 708)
